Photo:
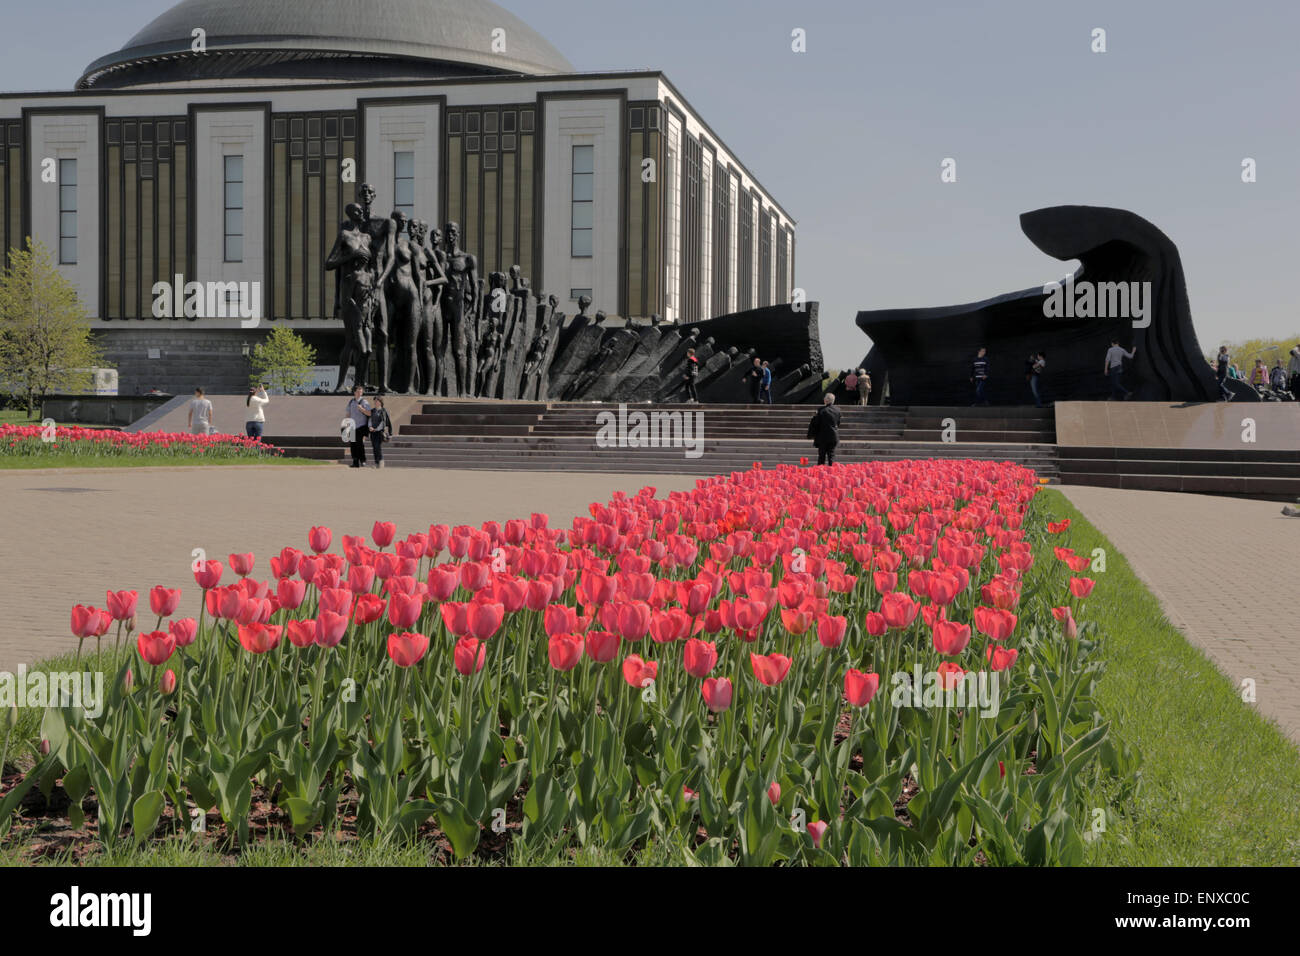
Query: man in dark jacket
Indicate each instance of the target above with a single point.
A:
(824, 430)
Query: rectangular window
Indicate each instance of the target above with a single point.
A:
(404, 182)
(584, 175)
(68, 212)
(673, 190)
(234, 203)
(576, 294)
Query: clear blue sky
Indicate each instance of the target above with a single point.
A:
(850, 135)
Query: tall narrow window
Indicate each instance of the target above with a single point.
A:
(584, 175)
(404, 182)
(68, 212)
(234, 180)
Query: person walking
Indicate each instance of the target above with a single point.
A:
(692, 376)
(200, 417)
(824, 430)
(765, 385)
(359, 412)
(1293, 372)
(1036, 378)
(864, 387)
(255, 417)
(979, 375)
(1115, 357)
(1222, 371)
(381, 430)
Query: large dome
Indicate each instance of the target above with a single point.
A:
(325, 40)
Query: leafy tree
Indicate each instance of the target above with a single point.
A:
(45, 340)
(283, 361)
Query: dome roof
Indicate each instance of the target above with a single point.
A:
(326, 40)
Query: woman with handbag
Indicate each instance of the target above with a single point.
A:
(381, 430)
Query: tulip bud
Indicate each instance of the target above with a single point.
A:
(774, 793)
(45, 748)
(129, 682)
(130, 624)
(168, 683)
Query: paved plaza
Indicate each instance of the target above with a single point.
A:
(1227, 573)
(70, 535)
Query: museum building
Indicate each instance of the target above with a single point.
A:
(221, 144)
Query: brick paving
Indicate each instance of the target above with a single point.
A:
(1225, 572)
(69, 535)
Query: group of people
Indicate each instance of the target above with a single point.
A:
(199, 421)
(368, 419)
(1277, 384)
(760, 382)
(1035, 365)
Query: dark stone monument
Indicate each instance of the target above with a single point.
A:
(926, 353)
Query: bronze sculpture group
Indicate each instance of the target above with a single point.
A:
(412, 300)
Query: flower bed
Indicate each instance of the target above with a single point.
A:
(862, 664)
(90, 443)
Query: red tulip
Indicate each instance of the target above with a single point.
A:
(1068, 625)
(361, 578)
(770, 669)
(884, 581)
(594, 588)
(241, 564)
(208, 574)
(84, 620)
(898, 610)
(290, 592)
(368, 609)
(565, 651)
(330, 628)
(336, 600)
(455, 617)
(167, 684)
(484, 620)
(876, 625)
(469, 656)
(406, 649)
(404, 610)
(817, 830)
(474, 575)
(318, 539)
(699, 657)
(1056, 527)
(184, 630)
(950, 637)
(300, 633)
(638, 672)
(717, 693)
(996, 623)
(1082, 587)
(382, 535)
(602, 646)
(860, 687)
(774, 793)
(950, 675)
(259, 638)
(632, 619)
(121, 604)
(155, 647)
(163, 601)
(1000, 658)
(797, 620)
(559, 619)
(830, 630)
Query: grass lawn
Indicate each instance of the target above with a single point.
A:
(1219, 785)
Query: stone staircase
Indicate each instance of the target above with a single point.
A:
(560, 436)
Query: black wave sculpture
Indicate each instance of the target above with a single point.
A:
(927, 353)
